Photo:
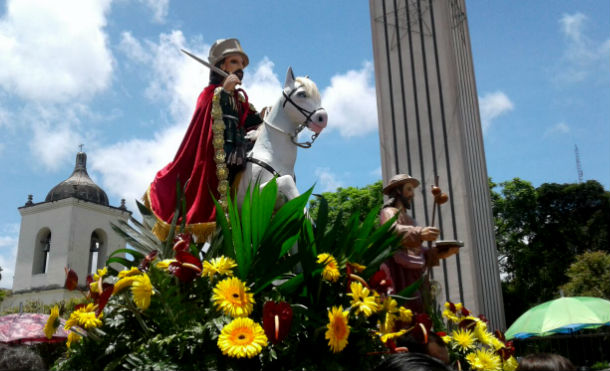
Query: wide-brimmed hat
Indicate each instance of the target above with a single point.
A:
(223, 47)
(397, 181)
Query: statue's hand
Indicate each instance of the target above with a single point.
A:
(230, 82)
(429, 233)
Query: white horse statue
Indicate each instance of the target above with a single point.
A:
(275, 151)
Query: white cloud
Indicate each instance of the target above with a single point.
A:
(9, 235)
(159, 8)
(54, 51)
(583, 57)
(133, 49)
(328, 181)
(560, 128)
(351, 102)
(263, 85)
(491, 106)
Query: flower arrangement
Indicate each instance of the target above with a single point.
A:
(273, 290)
(472, 345)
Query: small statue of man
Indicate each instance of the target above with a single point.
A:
(408, 264)
(213, 150)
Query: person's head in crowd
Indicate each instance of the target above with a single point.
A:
(19, 358)
(411, 361)
(545, 361)
(435, 347)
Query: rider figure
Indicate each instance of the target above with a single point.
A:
(213, 150)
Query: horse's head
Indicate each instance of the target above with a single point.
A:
(302, 103)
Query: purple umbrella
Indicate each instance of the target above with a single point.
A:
(28, 328)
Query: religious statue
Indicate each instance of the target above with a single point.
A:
(408, 264)
(213, 150)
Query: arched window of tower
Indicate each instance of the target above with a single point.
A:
(40, 264)
(95, 248)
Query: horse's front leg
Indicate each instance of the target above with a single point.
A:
(287, 190)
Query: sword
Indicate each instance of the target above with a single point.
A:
(206, 63)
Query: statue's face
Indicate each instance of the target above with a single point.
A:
(233, 63)
(407, 191)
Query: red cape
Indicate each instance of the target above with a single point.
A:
(194, 162)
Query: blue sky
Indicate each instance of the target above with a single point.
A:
(108, 74)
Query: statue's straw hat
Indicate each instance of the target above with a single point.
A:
(398, 180)
(223, 47)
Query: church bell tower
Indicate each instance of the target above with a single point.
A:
(70, 228)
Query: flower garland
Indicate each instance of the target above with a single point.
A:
(218, 141)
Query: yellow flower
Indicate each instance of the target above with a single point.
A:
(510, 364)
(331, 268)
(446, 339)
(52, 323)
(388, 324)
(221, 265)
(451, 316)
(73, 337)
(405, 315)
(164, 264)
(463, 340)
(338, 329)
(242, 338)
(496, 343)
(484, 359)
(142, 290)
(357, 267)
(390, 305)
(233, 297)
(84, 317)
(362, 300)
(97, 277)
(122, 283)
(484, 336)
(391, 335)
(133, 271)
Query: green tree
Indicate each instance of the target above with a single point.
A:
(350, 200)
(540, 231)
(589, 275)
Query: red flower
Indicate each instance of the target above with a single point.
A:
(277, 318)
(186, 267)
(102, 299)
(182, 242)
(147, 259)
(507, 351)
(71, 279)
(467, 324)
(423, 325)
(381, 283)
(465, 311)
(452, 307)
(483, 318)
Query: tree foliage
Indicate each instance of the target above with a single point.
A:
(589, 275)
(540, 231)
(349, 201)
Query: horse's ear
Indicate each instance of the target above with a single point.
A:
(289, 78)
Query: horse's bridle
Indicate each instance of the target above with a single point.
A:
(304, 112)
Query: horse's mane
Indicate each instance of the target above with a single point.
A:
(310, 87)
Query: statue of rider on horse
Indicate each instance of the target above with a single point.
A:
(215, 155)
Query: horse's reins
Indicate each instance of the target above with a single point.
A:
(301, 126)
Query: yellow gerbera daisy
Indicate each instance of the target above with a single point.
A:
(510, 364)
(331, 268)
(242, 338)
(484, 359)
(73, 337)
(122, 283)
(133, 271)
(484, 336)
(338, 329)
(142, 290)
(463, 340)
(84, 317)
(362, 299)
(52, 323)
(164, 264)
(221, 265)
(233, 297)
